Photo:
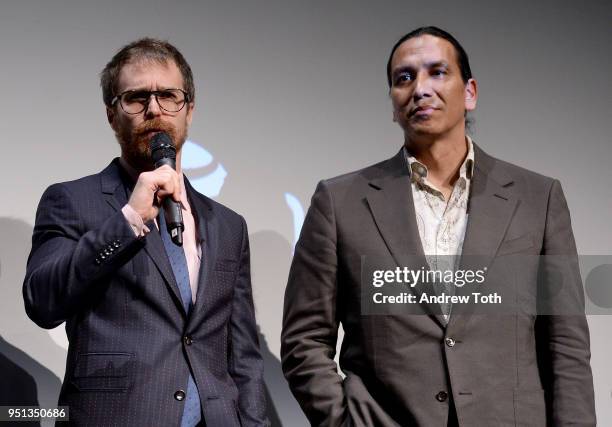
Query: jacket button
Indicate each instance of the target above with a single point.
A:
(179, 395)
(450, 342)
(442, 396)
(187, 339)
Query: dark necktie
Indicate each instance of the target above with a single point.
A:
(191, 411)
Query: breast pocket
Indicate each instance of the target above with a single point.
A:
(103, 372)
(520, 244)
(220, 287)
(226, 265)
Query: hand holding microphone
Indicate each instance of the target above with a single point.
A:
(161, 185)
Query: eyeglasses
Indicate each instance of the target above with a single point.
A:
(136, 101)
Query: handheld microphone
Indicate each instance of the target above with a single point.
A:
(163, 152)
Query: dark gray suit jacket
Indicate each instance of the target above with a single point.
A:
(131, 342)
(517, 368)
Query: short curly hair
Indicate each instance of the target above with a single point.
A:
(144, 49)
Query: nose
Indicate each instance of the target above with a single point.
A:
(422, 87)
(153, 108)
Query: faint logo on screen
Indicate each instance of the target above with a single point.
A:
(206, 174)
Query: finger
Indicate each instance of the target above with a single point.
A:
(156, 200)
(169, 182)
(176, 195)
(165, 180)
(162, 193)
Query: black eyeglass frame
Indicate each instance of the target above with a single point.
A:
(150, 92)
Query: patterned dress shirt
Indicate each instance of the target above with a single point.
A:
(441, 222)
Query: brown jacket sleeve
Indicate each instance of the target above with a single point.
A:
(310, 324)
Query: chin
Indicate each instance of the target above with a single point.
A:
(423, 131)
(139, 163)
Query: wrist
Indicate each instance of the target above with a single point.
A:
(135, 220)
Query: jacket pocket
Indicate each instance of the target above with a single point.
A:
(220, 412)
(520, 244)
(529, 408)
(103, 372)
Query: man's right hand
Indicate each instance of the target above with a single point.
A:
(151, 188)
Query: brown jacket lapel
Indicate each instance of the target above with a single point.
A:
(491, 207)
(392, 206)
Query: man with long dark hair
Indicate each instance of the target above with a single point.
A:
(427, 356)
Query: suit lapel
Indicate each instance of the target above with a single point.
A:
(115, 185)
(491, 207)
(155, 249)
(207, 228)
(392, 206)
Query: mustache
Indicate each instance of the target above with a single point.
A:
(154, 125)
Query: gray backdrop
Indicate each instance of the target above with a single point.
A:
(290, 92)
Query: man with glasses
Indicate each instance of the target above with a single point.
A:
(160, 334)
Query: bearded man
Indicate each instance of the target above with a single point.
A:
(160, 334)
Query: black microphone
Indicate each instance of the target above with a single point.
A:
(163, 152)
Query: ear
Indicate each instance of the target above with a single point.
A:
(110, 116)
(471, 95)
(189, 117)
(395, 113)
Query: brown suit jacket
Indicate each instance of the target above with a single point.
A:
(499, 369)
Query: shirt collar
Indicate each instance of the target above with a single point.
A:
(418, 170)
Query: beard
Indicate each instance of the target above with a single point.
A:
(135, 143)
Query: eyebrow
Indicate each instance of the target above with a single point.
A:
(148, 90)
(437, 64)
(428, 65)
(402, 69)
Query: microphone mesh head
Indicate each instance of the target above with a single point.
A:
(162, 147)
